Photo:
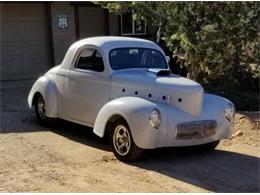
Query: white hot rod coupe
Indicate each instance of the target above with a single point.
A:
(123, 87)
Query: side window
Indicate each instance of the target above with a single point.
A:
(90, 59)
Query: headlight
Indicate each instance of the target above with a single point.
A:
(155, 118)
(230, 111)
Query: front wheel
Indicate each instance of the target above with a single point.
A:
(123, 144)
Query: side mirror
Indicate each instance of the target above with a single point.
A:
(167, 59)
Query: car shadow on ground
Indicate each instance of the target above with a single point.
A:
(217, 171)
(81, 134)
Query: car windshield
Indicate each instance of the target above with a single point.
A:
(124, 58)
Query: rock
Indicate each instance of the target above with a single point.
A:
(238, 133)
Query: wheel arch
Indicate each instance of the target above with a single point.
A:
(104, 121)
(111, 121)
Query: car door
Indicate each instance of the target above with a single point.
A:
(88, 87)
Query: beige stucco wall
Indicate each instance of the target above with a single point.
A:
(62, 38)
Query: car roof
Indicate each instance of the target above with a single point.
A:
(110, 42)
(106, 44)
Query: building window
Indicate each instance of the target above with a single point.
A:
(130, 26)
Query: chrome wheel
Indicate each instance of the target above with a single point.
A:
(121, 140)
(41, 108)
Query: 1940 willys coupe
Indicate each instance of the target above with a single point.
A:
(123, 87)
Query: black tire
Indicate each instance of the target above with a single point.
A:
(132, 151)
(40, 110)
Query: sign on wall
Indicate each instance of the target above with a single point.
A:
(63, 22)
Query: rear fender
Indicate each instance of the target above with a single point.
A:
(47, 88)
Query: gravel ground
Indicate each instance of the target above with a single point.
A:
(70, 158)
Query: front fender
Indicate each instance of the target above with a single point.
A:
(135, 111)
(47, 88)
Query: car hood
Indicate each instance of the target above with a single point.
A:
(176, 91)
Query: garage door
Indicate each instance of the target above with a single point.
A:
(91, 21)
(24, 41)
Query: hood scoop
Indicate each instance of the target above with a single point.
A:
(159, 72)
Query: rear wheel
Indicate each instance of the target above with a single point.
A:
(40, 109)
(122, 142)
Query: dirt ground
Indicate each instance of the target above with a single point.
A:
(70, 158)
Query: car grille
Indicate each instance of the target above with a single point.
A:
(196, 129)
